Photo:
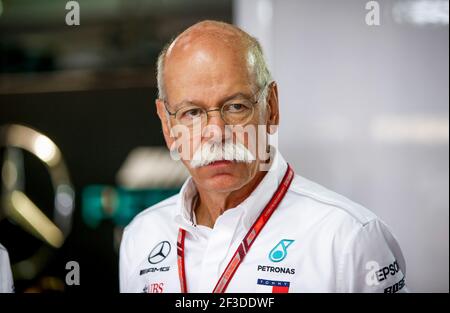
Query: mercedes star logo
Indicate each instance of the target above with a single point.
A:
(159, 252)
(51, 225)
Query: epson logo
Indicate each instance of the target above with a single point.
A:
(386, 271)
(276, 269)
(376, 274)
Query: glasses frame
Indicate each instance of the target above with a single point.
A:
(220, 109)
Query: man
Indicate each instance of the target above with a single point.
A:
(243, 221)
(6, 280)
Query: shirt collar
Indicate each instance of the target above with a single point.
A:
(184, 206)
(252, 205)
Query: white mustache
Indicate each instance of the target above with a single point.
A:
(218, 151)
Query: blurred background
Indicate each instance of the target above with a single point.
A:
(364, 112)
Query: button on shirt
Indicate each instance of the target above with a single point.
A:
(315, 241)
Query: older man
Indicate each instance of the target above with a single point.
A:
(243, 221)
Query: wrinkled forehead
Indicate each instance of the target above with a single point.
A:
(207, 61)
(218, 43)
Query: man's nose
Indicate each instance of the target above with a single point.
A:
(215, 121)
(214, 117)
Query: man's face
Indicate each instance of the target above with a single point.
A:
(208, 74)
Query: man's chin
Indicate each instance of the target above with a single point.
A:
(223, 182)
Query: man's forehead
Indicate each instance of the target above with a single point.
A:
(207, 65)
(204, 35)
(207, 57)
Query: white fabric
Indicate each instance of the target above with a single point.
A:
(6, 279)
(333, 244)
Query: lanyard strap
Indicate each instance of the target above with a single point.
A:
(246, 243)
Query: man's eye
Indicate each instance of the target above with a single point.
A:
(237, 108)
(192, 113)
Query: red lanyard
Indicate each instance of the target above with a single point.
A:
(246, 243)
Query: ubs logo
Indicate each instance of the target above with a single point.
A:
(159, 252)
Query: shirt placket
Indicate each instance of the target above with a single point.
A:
(218, 249)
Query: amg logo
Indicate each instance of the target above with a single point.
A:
(276, 269)
(154, 269)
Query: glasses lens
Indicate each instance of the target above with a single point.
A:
(188, 115)
(237, 112)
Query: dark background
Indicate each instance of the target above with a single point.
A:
(95, 130)
(91, 89)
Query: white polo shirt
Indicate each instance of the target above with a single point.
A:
(315, 241)
(6, 279)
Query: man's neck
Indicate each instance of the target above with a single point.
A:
(212, 204)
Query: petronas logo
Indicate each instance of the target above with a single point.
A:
(279, 252)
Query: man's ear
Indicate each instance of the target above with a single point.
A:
(161, 110)
(273, 117)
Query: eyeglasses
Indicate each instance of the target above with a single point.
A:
(233, 112)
